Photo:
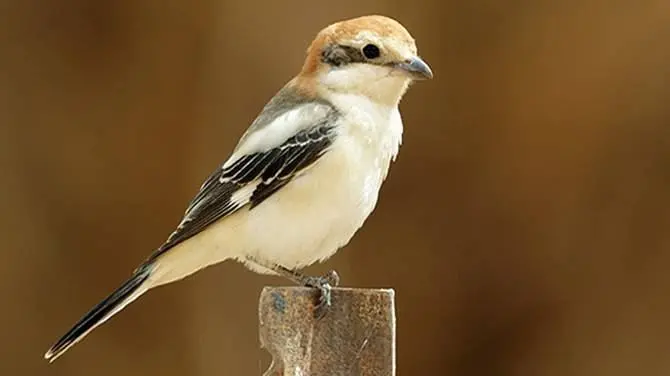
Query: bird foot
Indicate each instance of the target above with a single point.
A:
(324, 284)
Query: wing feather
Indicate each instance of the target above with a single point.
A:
(263, 172)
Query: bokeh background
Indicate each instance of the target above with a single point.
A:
(525, 225)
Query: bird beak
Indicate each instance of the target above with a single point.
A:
(416, 68)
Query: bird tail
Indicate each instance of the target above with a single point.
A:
(116, 301)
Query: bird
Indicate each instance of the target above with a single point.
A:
(302, 179)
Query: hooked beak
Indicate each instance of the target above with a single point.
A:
(416, 68)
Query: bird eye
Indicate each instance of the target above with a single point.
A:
(371, 51)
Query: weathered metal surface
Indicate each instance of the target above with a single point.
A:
(356, 337)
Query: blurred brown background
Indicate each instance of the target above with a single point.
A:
(525, 226)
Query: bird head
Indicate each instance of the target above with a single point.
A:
(374, 56)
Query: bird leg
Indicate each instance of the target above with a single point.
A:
(323, 284)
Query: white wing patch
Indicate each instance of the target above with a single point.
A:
(279, 130)
(243, 195)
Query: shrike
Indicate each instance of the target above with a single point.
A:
(304, 176)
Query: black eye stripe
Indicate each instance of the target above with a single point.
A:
(338, 55)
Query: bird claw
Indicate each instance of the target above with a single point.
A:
(332, 277)
(324, 284)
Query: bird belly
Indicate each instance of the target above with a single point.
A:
(316, 213)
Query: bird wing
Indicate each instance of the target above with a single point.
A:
(260, 170)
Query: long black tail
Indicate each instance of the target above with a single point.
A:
(116, 301)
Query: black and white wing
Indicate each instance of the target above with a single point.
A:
(250, 179)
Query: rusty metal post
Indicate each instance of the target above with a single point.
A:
(355, 338)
